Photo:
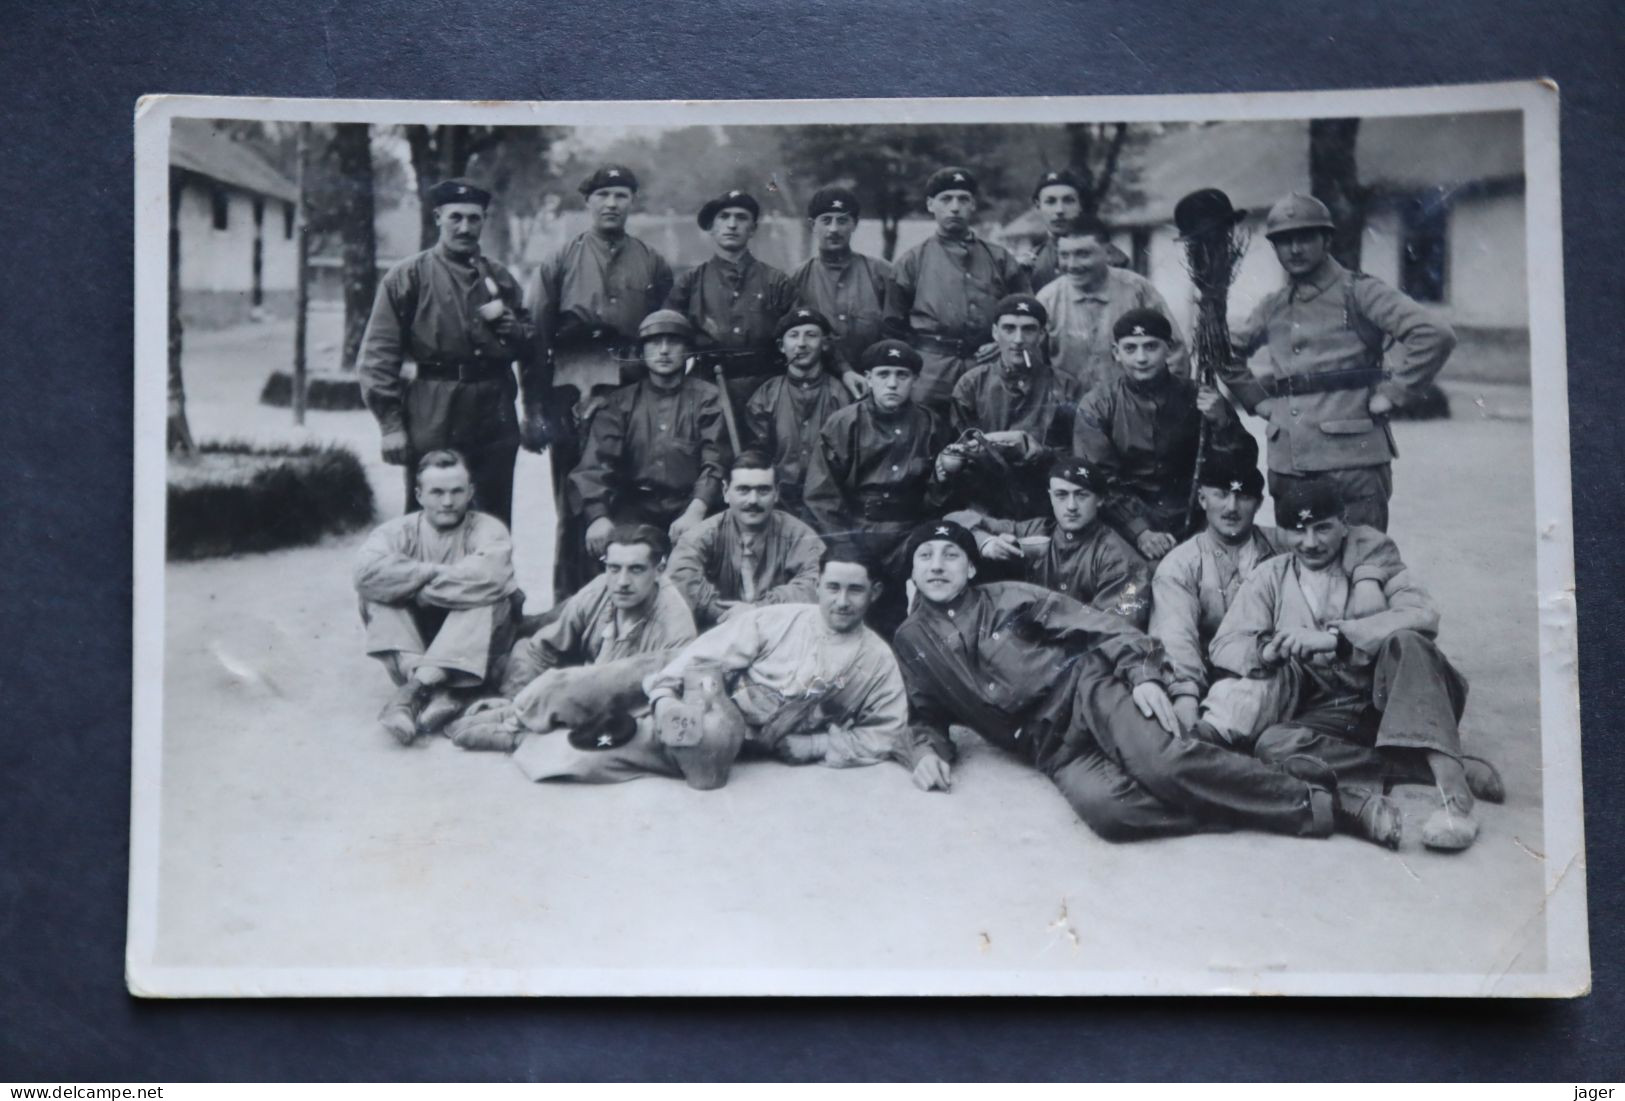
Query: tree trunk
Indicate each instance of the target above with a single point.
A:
(301, 316)
(1082, 137)
(178, 434)
(352, 144)
(1334, 179)
(438, 153)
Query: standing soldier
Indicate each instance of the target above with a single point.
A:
(1087, 300)
(783, 418)
(1056, 199)
(847, 287)
(943, 290)
(1329, 398)
(588, 299)
(733, 300)
(655, 452)
(871, 478)
(459, 318)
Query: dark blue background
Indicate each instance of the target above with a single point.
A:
(69, 77)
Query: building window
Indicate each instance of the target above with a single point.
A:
(287, 221)
(1425, 219)
(221, 202)
(1140, 244)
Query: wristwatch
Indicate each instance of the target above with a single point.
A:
(1345, 648)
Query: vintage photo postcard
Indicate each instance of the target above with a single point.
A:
(965, 546)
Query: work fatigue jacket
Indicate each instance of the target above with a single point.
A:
(588, 299)
(591, 630)
(1080, 325)
(1331, 329)
(1096, 566)
(783, 419)
(1005, 658)
(852, 297)
(873, 471)
(649, 453)
(734, 307)
(717, 561)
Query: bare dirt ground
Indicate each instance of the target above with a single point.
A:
(295, 834)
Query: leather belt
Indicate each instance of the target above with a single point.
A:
(464, 370)
(963, 349)
(1322, 382)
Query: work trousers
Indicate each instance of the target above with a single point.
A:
(470, 644)
(475, 419)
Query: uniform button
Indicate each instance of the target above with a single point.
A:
(840, 317)
(613, 299)
(1294, 412)
(897, 431)
(995, 636)
(736, 328)
(663, 427)
(894, 466)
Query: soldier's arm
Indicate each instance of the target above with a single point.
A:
(732, 646)
(483, 576)
(536, 382)
(1245, 341)
(1122, 580)
(900, 298)
(928, 718)
(757, 421)
(714, 452)
(1092, 442)
(801, 563)
(521, 338)
(1426, 338)
(1135, 656)
(689, 567)
(1410, 608)
(555, 645)
(660, 283)
(825, 491)
(1176, 614)
(1017, 279)
(595, 482)
(1369, 555)
(962, 407)
(1248, 625)
(682, 291)
(879, 730)
(378, 367)
(384, 572)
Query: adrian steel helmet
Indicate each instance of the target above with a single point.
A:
(1297, 211)
(665, 323)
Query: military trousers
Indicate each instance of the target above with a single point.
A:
(475, 419)
(470, 644)
(1365, 490)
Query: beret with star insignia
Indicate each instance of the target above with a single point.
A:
(1060, 178)
(1219, 473)
(1143, 322)
(606, 730)
(801, 315)
(458, 190)
(731, 200)
(937, 530)
(1070, 468)
(833, 200)
(950, 179)
(890, 353)
(1020, 305)
(610, 175)
(1305, 501)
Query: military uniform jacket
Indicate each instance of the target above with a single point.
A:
(426, 311)
(1004, 658)
(607, 286)
(400, 554)
(649, 453)
(1096, 566)
(874, 468)
(1273, 599)
(947, 287)
(1080, 325)
(851, 296)
(712, 560)
(1145, 439)
(783, 418)
(986, 399)
(734, 306)
(590, 630)
(1334, 321)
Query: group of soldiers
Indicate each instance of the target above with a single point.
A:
(762, 477)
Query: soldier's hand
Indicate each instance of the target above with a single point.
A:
(1152, 700)
(1187, 712)
(598, 535)
(1026, 255)
(692, 515)
(801, 749)
(506, 326)
(533, 430)
(1379, 405)
(932, 774)
(1211, 404)
(1000, 548)
(396, 450)
(1010, 440)
(1154, 544)
(855, 384)
(1304, 644)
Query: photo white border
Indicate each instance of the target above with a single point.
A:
(1567, 971)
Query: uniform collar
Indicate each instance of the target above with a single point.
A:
(884, 417)
(1318, 282)
(953, 610)
(445, 256)
(741, 265)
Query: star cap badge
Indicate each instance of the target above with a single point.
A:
(613, 172)
(1235, 487)
(959, 177)
(1139, 330)
(605, 741)
(1022, 307)
(836, 204)
(943, 531)
(1305, 513)
(894, 354)
(733, 194)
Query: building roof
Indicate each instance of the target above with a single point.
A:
(1256, 163)
(198, 145)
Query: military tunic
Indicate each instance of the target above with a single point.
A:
(851, 294)
(1046, 265)
(457, 618)
(463, 394)
(589, 297)
(783, 419)
(719, 561)
(1040, 403)
(942, 297)
(1094, 567)
(1049, 680)
(1326, 335)
(1080, 324)
(734, 306)
(649, 453)
(590, 630)
(1144, 436)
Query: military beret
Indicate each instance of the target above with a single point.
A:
(610, 175)
(604, 730)
(458, 190)
(1143, 322)
(1305, 501)
(1061, 178)
(801, 316)
(744, 200)
(1022, 305)
(1231, 477)
(832, 200)
(890, 353)
(949, 179)
(932, 530)
(1070, 468)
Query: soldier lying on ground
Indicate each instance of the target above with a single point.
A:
(436, 590)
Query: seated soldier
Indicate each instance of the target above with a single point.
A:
(787, 411)
(1077, 694)
(1143, 428)
(1012, 416)
(622, 624)
(1372, 695)
(749, 555)
(436, 588)
(800, 682)
(872, 477)
(1196, 581)
(1072, 552)
(655, 451)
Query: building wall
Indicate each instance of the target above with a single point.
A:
(217, 266)
(1487, 278)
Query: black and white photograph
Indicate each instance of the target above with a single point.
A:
(874, 547)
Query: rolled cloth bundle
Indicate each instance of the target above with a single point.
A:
(1215, 238)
